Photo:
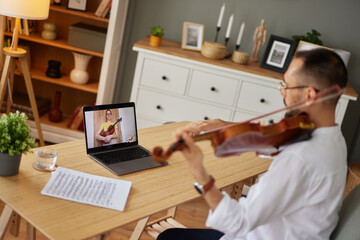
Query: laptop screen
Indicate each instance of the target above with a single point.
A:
(110, 126)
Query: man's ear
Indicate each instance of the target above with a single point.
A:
(311, 93)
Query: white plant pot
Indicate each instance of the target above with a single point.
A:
(79, 74)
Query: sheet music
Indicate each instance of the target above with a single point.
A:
(87, 188)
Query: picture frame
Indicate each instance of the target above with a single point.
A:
(278, 53)
(192, 36)
(304, 46)
(78, 5)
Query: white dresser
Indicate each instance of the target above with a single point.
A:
(172, 84)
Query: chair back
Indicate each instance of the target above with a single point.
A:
(348, 227)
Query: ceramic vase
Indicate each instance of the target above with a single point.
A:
(49, 31)
(79, 74)
(9, 165)
(155, 41)
(55, 114)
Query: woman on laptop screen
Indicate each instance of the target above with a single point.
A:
(108, 131)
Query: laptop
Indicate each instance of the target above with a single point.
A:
(112, 139)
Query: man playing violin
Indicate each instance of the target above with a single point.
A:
(300, 195)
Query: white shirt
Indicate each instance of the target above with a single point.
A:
(299, 197)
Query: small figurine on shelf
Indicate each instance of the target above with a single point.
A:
(49, 32)
(156, 36)
(57, 2)
(53, 69)
(259, 35)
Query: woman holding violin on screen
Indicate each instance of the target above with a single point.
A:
(299, 197)
(108, 131)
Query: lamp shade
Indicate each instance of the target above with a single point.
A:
(27, 9)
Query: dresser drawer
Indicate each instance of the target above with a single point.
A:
(259, 98)
(213, 88)
(170, 108)
(164, 76)
(243, 116)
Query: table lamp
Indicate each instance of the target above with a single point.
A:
(26, 9)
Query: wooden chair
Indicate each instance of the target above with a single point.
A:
(155, 227)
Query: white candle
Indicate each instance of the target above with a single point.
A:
(228, 30)
(238, 41)
(222, 10)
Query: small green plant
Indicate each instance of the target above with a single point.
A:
(15, 134)
(311, 37)
(157, 31)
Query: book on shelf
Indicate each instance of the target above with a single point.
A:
(107, 10)
(102, 7)
(26, 26)
(21, 103)
(76, 120)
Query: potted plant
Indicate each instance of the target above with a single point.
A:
(15, 139)
(156, 36)
(311, 37)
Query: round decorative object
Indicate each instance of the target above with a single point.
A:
(79, 74)
(240, 57)
(49, 32)
(213, 50)
(53, 69)
(9, 165)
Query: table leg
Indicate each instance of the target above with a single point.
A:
(30, 232)
(5, 220)
(14, 226)
(139, 228)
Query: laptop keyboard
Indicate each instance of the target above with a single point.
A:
(122, 155)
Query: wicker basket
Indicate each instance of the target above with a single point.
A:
(213, 50)
(240, 57)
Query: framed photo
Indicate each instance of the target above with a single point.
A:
(278, 53)
(192, 37)
(304, 46)
(79, 5)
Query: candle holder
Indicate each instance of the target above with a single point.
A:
(226, 42)
(217, 33)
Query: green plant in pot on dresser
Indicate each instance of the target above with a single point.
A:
(15, 139)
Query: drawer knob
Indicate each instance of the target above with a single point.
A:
(271, 121)
(206, 118)
(158, 107)
(164, 77)
(213, 89)
(262, 100)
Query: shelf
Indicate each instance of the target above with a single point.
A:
(39, 74)
(55, 132)
(89, 15)
(59, 43)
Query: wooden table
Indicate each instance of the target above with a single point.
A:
(152, 190)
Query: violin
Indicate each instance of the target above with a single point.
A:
(110, 130)
(248, 136)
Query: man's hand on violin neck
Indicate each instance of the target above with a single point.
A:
(196, 127)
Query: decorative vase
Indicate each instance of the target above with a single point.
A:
(49, 32)
(155, 41)
(9, 165)
(55, 114)
(79, 74)
(53, 69)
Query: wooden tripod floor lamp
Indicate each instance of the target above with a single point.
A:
(26, 9)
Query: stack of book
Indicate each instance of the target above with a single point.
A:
(27, 27)
(76, 120)
(21, 103)
(103, 9)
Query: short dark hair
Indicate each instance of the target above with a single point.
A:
(324, 66)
